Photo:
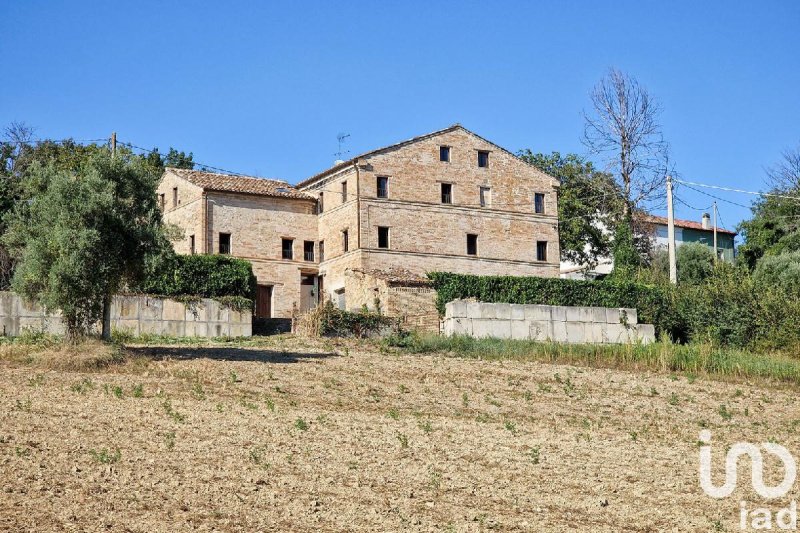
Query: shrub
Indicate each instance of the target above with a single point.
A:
(328, 321)
(655, 304)
(695, 262)
(207, 276)
(779, 271)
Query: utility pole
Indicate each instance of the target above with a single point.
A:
(716, 253)
(673, 267)
(106, 327)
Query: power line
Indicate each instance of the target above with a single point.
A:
(717, 197)
(197, 163)
(690, 207)
(729, 189)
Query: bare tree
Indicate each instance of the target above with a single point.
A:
(785, 176)
(623, 126)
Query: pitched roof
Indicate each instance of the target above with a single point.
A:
(212, 181)
(400, 144)
(688, 224)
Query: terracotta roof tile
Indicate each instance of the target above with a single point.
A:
(240, 184)
(689, 224)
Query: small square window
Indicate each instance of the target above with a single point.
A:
(344, 191)
(541, 250)
(191, 244)
(224, 243)
(383, 187)
(472, 244)
(483, 159)
(308, 250)
(447, 193)
(383, 237)
(345, 241)
(444, 154)
(538, 203)
(486, 196)
(286, 248)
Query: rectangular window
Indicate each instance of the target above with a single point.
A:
(447, 193)
(162, 201)
(224, 243)
(444, 154)
(344, 191)
(321, 251)
(483, 159)
(345, 241)
(308, 250)
(383, 187)
(319, 204)
(191, 244)
(486, 196)
(383, 237)
(472, 244)
(174, 197)
(286, 248)
(541, 250)
(538, 203)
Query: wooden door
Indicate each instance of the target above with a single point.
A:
(264, 301)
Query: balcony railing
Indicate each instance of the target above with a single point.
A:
(308, 256)
(287, 254)
(447, 198)
(383, 193)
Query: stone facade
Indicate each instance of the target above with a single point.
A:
(343, 211)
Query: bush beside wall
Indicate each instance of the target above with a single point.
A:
(207, 276)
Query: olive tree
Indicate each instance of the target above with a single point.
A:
(80, 235)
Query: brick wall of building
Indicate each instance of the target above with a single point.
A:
(187, 214)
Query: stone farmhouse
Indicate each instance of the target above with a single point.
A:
(366, 231)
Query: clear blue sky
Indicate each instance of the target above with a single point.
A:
(265, 89)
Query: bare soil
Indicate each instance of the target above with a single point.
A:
(319, 436)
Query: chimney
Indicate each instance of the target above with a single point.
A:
(706, 221)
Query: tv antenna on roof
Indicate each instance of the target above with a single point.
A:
(341, 138)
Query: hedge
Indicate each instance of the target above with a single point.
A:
(207, 276)
(655, 305)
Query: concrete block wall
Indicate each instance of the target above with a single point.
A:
(136, 315)
(594, 325)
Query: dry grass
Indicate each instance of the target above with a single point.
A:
(287, 434)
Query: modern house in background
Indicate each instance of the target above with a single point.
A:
(690, 231)
(685, 231)
(366, 231)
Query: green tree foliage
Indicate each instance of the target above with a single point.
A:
(695, 262)
(781, 272)
(80, 235)
(627, 257)
(775, 226)
(589, 201)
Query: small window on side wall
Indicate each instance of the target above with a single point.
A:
(344, 191)
(191, 244)
(485, 196)
(287, 246)
(345, 241)
(383, 187)
(444, 154)
(538, 203)
(541, 250)
(483, 159)
(472, 244)
(174, 197)
(224, 243)
(447, 193)
(383, 237)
